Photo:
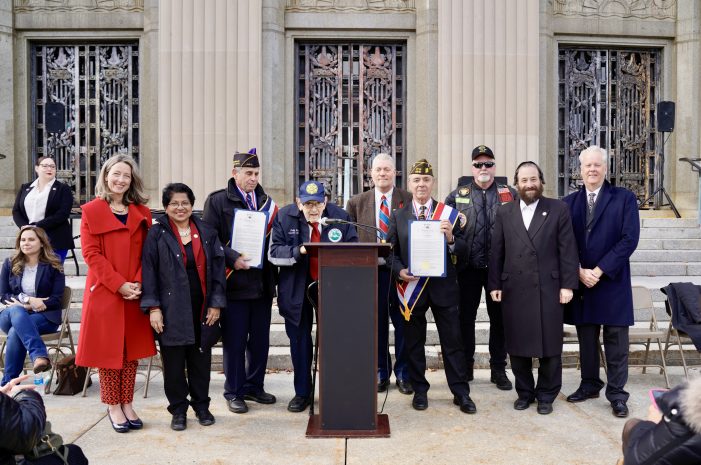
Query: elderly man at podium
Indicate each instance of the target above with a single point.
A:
(427, 237)
(294, 225)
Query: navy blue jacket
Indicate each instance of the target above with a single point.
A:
(58, 210)
(49, 283)
(165, 281)
(607, 242)
(290, 231)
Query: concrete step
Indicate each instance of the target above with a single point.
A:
(669, 244)
(669, 223)
(670, 233)
(680, 256)
(666, 269)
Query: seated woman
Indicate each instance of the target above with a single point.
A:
(31, 285)
(183, 290)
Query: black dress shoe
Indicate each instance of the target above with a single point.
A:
(205, 417)
(118, 427)
(178, 422)
(522, 403)
(404, 386)
(298, 404)
(237, 405)
(420, 401)
(499, 378)
(619, 409)
(261, 397)
(580, 395)
(466, 404)
(135, 424)
(545, 408)
(383, 385)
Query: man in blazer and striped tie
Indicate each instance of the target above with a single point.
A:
(374, 207)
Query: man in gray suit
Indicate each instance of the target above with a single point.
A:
(374, 207)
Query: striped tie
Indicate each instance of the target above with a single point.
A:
(384, 218)
(249, 201)
(422, 213)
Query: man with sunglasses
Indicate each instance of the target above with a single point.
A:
(477, 198)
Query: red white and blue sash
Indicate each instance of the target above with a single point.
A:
(410, 291)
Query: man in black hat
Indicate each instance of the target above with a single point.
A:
(477, 198)
(441, 294)
(249, 291)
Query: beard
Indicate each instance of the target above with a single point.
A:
(531, 194)
(484, 178)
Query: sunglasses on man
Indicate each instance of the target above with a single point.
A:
(483, 164)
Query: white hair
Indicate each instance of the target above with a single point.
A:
(594, 149)
(383, 157)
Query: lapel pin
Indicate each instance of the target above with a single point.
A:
(545, 213)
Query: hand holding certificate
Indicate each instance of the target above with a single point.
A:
(427, 256)
(248, 235)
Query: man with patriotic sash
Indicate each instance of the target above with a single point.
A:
(374, 207)
(477, 199)
(249, 291)
(294, 225)
(441, 294)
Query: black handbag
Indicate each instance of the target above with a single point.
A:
(50, 444)
(209, 336)
(71, 377)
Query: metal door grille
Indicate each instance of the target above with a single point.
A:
(608, 98)
(99, 88)
(350, 106)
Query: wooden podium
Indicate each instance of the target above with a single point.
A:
(347, 332)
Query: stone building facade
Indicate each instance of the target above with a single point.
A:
(533, 79)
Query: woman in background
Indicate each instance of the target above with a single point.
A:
(46, 203)
(114, 333)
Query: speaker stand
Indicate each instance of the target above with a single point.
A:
(661, 191)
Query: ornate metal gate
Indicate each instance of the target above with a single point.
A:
(98, 86)
(350, 106)
(608, 98)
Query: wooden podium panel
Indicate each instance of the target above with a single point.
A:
(348, 342)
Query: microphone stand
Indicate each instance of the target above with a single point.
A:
(367, 227)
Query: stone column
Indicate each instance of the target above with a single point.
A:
(7, 130)
(678, 176)
(148, 102)
(426, 104)
(275, 172)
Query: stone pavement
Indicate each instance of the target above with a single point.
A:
(581, 434)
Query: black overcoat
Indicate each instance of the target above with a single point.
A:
(165, 283)
(58, 210)
(530, 267)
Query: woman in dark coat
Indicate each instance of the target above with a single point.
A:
(184, 289)
(46, 203)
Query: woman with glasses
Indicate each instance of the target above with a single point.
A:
(31, 285)
(114, 333)
(184, 290)
(46, 202)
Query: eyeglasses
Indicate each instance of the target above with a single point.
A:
(53, 167)
(483, 164)
(181, 204)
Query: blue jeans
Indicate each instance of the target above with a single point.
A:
(23, 331)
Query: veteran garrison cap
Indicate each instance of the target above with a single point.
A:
(246, 160)
(311, 191)
(482, 150)
(421, 167)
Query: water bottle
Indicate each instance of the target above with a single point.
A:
(39, 383)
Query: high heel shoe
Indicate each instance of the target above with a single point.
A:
(118, 427)
(133, 424)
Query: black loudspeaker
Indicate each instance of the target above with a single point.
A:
(665, 117)
(55, 117)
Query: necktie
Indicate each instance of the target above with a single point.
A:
(384, 218)
(590, 205)
(422, 213)
(314, 253)
(249, 201)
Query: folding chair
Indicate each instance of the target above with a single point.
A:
(677, 337)
(569, 334)
(159, 366)
(642, 301)
(57, 338)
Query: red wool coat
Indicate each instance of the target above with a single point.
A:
(111, 326)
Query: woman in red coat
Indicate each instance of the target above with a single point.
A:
(114, 333)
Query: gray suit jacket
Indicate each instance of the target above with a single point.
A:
(361, 208)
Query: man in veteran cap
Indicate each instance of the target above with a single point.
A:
(441, 294)
(477, 198)
(249, 291)
(293, 226)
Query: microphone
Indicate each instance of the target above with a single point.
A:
(329, 221)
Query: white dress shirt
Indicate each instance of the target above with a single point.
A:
(527, 212)
(378, 202)
(595, 192)
(35, 201)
